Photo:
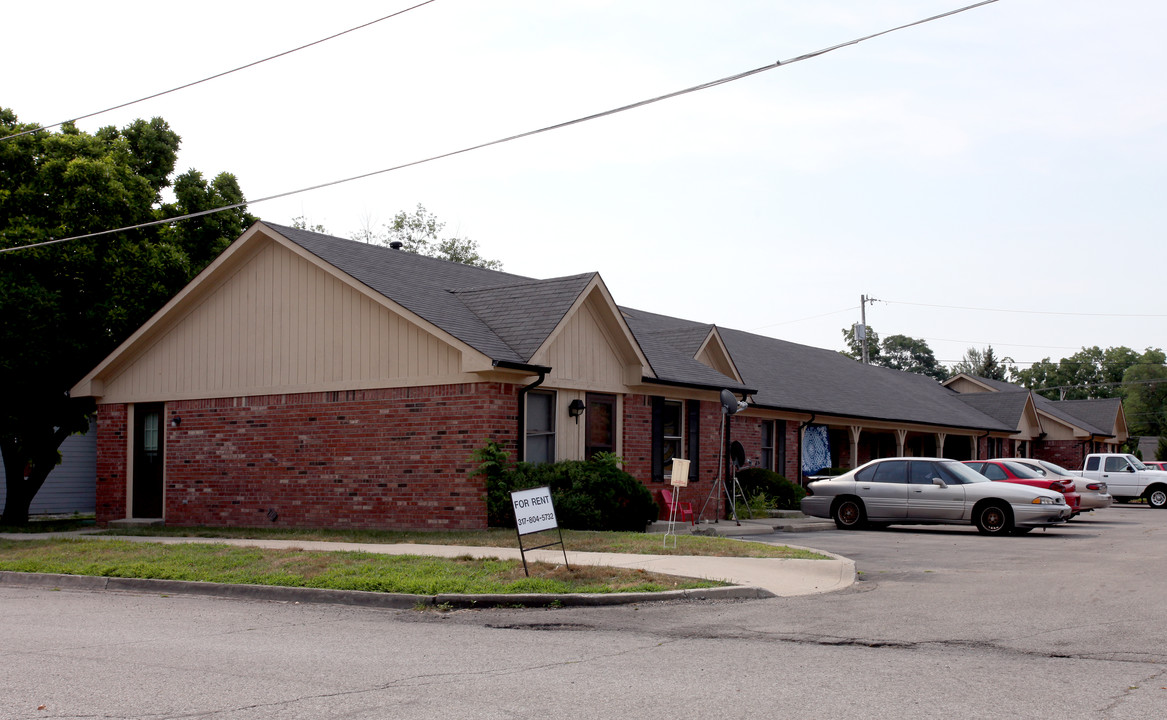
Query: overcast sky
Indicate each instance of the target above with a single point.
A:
(1011, 157)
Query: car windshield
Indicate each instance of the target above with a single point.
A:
(961, 473)
(1137, 463)
(1022, 471)
(1055, 469)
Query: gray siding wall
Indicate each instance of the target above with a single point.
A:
(72, 486)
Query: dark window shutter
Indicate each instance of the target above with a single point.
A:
(693, 423)
(780, 447)
(658, 438)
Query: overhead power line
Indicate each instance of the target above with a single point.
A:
(1027, 312)
(217, 75)
(529, 133)
(812, 317)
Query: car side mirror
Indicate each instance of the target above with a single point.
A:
(939, 483)
(1130, 468)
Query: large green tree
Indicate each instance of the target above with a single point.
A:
(898, 352)
(909, 354)
(63, 307)
(1089, 373)
(1145, 386)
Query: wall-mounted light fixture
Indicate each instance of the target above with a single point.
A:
(575, 409)
(175, 421)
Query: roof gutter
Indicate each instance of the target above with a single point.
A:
(741, 390)
(512, 365)
(902, 421)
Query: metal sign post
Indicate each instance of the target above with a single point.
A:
(535, 513)
(678, 478)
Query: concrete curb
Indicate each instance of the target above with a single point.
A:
(361, 598)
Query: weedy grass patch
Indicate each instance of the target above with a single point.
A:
(412, 574)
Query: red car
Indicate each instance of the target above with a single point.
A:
(1156, 464)
(1005, 471)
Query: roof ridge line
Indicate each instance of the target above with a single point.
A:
(522, 283)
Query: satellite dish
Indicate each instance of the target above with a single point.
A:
(730, 404)
(737, 454)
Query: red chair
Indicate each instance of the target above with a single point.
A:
(684, 510)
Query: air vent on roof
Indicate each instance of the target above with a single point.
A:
(396, 244)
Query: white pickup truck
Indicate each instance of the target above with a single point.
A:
(1127, 478)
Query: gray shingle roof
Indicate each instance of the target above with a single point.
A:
(507, 317)
(670, 343)
(1094, 416)
(1006, 407)
(1097, 416)
(523, 315)
(799, 377)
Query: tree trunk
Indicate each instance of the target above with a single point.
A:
(24, 475)
(16, 504)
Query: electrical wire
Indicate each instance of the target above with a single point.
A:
(217, 75)
(812, 317)
(1027, 312)
(549, 128)
(996, 344)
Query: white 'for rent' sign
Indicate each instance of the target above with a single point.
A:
(533, 510)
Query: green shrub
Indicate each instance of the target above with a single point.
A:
(779, 491)
(493, 466)
(755, 506)
(588, 494)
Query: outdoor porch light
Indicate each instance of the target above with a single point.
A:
(175, 421)
(575, 409)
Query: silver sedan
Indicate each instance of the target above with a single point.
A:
(1095, 494)
(894, 491)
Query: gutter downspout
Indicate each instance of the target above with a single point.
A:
(800, 429)
(520, 440)
(542, 371)
(978, 448)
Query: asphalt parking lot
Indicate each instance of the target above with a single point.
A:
(944, 622)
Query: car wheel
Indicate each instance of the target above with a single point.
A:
(1157, 498)
(849, 514)
(994, 519)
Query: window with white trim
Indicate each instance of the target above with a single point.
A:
(540, 427)
(672, 433)
(767, 458)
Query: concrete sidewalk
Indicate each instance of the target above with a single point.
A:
(753, 577)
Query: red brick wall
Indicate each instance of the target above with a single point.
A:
(637, 437)
(112, 433)
(1070, 454)
(637, 452)
(388, 458)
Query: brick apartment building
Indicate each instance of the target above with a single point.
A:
(307, 380)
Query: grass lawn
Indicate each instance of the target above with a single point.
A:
(422, 575)
(574, 540)
(335, 570)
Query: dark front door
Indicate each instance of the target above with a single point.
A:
(601, 424)
(149, 434)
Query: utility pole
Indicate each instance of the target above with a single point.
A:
(863, 300)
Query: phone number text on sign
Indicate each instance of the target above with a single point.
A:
(533, 510)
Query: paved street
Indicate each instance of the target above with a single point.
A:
(943, 623)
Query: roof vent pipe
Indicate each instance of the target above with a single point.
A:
(396, 244)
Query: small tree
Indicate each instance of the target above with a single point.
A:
(419, 232)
